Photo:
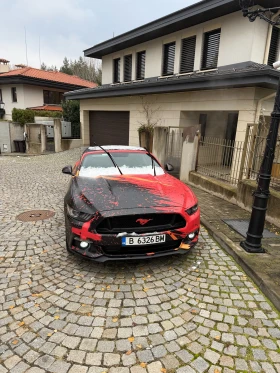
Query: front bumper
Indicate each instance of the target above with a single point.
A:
(105, 247)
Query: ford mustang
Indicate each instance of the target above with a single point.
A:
(121, 204)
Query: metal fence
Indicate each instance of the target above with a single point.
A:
(256, 140)
(232, 161)
(220, 158)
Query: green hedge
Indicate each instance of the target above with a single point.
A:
(23, 116)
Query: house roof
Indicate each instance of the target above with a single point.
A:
(47, 107)
(41, 76)
(187, 17)
(246, 74)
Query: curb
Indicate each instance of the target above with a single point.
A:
(234, 251)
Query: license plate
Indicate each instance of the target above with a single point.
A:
(143, 240)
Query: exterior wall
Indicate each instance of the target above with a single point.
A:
(7, 98)
(171, 106)
(33, 96)
(16, 133)
(240, 41)
(5, 137)
(27, 96)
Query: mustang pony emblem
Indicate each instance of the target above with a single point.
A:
(143, 221)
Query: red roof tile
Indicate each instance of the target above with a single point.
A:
(54, 76)
(47, 107)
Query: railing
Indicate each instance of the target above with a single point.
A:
(254, 156)
(231, 161)
(220, 158)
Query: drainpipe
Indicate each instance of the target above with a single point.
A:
(269, 32)
(259, 106)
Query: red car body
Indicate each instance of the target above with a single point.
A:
(110, 209)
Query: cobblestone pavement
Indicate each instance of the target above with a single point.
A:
(59, 313)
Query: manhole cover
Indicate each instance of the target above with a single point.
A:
(241, 227)
(35, 215)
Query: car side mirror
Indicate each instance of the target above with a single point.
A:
(67, 170)
(168, 167)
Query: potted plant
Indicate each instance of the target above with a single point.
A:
(147, 125)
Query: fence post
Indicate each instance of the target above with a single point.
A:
(197, 149)
(244, 152)
(252, 150)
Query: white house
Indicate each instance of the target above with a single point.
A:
(203, 64)
(27, 87)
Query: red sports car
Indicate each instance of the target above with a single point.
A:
(121, 204)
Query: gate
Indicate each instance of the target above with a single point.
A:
(174, 149)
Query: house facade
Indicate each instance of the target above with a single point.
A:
(205, 64)
(36, 89)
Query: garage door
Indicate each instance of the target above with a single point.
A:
(109, 127)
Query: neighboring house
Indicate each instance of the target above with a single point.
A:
(26, 87)
(204, 64)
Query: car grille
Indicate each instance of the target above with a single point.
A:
(132, 223)
(114, 251)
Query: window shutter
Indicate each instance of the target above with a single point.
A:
(168, 59)
(187, 55)
(117, 65)
(127, 68)
(211, 49)
(274, 46)
(140, 70)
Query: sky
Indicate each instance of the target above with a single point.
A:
(67, 27)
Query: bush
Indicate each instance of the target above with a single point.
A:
(23, 116)
(71, 113)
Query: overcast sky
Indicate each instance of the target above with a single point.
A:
(67, 27)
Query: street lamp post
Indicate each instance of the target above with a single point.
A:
(253, 242)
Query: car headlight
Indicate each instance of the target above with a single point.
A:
(192, 210)
(78, 215)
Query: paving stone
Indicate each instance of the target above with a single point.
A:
(105, 346)
(184, 355)
(154, 367)
(111, 359)
(200, 364)
(78, 369)
(211, 356)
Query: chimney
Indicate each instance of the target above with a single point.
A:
(4, 67)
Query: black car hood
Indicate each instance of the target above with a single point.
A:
(127, 192)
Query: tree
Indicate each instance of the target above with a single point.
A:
(88, 69)
(85, 68)
(66, 67)
(71, 113)
(48, 68)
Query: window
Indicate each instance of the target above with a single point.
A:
(211, 49)
(274, 46)
(117, 70)
(168, 59)
(127, 73)
(1, 98)
(187, 55)
(52, 97)
(140, 65)
(130, 163)
(14, 94)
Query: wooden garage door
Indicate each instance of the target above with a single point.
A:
(109, 127)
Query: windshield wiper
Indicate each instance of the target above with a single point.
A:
(153, 163)
(112, 159)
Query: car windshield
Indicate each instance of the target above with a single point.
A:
(130, 163)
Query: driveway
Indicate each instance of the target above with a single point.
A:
(59, 313)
